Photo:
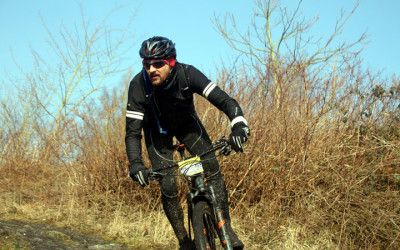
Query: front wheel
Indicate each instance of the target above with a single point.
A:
(203, 226)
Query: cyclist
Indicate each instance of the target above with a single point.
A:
(160, 102)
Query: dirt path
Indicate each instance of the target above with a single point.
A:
(25, 235)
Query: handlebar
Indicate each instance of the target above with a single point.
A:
(221, 144)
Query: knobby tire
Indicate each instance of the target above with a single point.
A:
(203, 226)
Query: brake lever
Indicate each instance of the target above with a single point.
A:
(221, 140)
(226, 150)
(155, 175)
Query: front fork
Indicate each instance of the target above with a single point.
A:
(222, 226)
(190, 206)
(197, 187)
(200, 187)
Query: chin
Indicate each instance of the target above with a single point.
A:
(156, 83)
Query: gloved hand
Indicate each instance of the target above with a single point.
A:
(240, 134)
(138, 172)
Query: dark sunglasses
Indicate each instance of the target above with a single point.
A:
(156, 64)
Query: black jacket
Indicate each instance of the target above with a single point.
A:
(172, 102)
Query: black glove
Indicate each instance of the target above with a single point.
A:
(139, 173)
(240, 133)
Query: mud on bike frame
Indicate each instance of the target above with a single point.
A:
(191, 168)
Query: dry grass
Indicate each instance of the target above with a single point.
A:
(321, 169)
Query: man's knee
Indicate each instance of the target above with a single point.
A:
(169, 187)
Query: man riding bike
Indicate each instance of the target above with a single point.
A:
(160, 102)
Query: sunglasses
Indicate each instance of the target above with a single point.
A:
(156, 64)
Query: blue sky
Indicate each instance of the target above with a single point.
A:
(188, 24)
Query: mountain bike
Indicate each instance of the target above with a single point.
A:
(204, 212)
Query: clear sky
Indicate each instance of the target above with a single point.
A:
(189, 25)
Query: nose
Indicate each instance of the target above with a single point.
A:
(152, 68)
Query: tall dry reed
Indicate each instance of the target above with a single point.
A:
(324, 162)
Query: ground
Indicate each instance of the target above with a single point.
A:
(26, 235)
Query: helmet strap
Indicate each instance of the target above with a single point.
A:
(171, 62)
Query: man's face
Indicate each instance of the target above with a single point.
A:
(157, 71)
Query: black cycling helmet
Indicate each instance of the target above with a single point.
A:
(157, 47)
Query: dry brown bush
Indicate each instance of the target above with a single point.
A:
(320, 170)
(302, 165)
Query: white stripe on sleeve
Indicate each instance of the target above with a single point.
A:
(134, 115)
(238, 119)
(207, 90)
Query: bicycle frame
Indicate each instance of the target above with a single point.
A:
(198, 190)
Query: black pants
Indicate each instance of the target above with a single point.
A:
(191, 132)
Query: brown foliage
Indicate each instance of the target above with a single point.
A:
(317, 159)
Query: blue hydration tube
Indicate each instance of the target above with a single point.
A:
(146, 86)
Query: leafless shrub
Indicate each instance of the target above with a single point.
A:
(323, 156)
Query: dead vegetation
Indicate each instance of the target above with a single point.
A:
(321, 168)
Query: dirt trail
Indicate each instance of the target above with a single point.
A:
(26, 235)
